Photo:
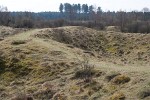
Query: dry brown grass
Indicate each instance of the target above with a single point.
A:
(144, 93)
(8, 31)
(120, 79)
(110, 44)
(48, 59)
(117, 96)
(111, 75)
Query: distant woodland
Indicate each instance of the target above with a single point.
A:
(79, 15)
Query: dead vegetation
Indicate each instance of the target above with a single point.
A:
(111, 75)
(117, 96)
(120, 79)
(100, 43)
(18, 42)
(74, 36)
(53, 66)
(8, 31)
(85, 71)
(144, 93)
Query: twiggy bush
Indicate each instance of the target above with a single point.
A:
(85, 70)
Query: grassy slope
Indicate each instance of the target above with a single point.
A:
(49, 56)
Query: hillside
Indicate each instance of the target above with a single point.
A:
(44, 64)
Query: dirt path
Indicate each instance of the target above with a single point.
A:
(123, 68)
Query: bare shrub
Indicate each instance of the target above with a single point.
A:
(85, 71)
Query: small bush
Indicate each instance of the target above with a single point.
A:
(86, 71)
(120, 79)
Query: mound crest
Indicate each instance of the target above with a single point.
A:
(80, 37)
(105, 43)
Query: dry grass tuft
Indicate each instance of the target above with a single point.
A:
(120, 79)
(18, 42)
(21, 96)
(144, 93)
(117, 96)
(111, 75)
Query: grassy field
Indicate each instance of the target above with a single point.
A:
(49, 63)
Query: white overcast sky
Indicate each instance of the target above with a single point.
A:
(53, 5)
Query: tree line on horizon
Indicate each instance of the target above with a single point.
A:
(79, 12)
(79, 15)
